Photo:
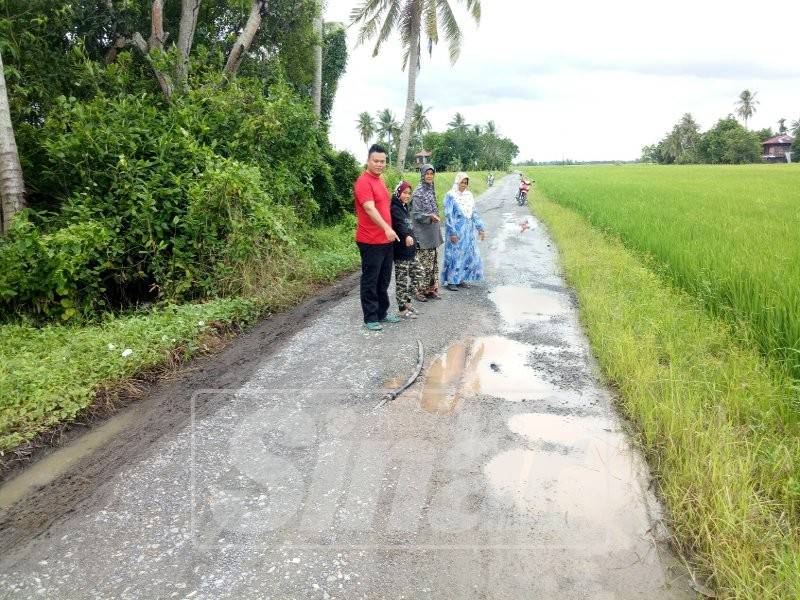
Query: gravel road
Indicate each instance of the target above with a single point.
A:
(503, 472)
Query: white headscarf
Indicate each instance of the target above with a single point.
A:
(465, 199)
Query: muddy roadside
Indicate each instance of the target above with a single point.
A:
(57, 480)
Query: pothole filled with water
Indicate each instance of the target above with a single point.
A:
(489, 366)
(518, 305)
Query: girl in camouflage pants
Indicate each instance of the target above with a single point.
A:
(408, 274)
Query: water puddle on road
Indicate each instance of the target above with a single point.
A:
(555, 429)
(512, 230)
(60, 461)
(599, 481)
(442, 391)
(491, 366)
(518, 305)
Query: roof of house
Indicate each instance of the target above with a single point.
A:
(779, 139)
(423, 153)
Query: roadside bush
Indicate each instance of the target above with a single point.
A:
(134, 200)
(392, 177)
(333, 184)
(60, 274)
(230, 219)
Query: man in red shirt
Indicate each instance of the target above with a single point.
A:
(374, 236)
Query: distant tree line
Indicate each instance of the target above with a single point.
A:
(461, 146)
(727, 142)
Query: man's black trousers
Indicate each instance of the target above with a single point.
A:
(376, 274)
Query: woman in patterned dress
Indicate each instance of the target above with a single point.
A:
(427, 232)
(462, 259)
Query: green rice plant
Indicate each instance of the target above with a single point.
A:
(717, 422)
(729, 235)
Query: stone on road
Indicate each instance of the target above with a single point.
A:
(503, 472)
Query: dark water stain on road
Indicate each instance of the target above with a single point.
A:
(63, 459)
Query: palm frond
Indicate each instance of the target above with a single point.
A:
(431, 24)
(365, 9)
(474, 9)
(452, 31)
(389, 24)
(409, 27)
(370, 13)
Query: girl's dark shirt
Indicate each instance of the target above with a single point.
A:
(402, 225)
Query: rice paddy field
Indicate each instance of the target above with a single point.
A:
(688, 283)
(729, 235)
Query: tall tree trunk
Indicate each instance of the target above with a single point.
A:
(157, 35)
(317, 89)
(155, 44)
(12, 188)
(189, 11)
(245, 39)
(405, 134)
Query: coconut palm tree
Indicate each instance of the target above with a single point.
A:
(491, 128)
(459, 122)
(413, 19)
(388, 129)
(420, 124)
(316, 87)
(746, 105)
(12, 189)
(365, 126)
(782, 126)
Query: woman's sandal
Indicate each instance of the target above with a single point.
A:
(434, 295)
(420, 297)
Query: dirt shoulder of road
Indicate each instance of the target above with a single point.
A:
(164, 406)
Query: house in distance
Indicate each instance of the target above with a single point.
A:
(778, 148)
(421, 158)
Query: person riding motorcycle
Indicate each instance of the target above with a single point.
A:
(490, 180)
(524, 188)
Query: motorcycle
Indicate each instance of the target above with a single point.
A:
(522, 195)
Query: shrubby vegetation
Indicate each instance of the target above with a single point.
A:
(167, 185)
(139, 197)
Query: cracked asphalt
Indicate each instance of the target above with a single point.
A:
(503, 472)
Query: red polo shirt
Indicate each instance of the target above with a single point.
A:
(368, 188)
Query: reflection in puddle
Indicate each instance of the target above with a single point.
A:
(442, 390)
(499, 369)
(491, 366)
(598, 484)
(523, 304)
(555, 429)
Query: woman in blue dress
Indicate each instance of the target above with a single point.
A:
(462, 259)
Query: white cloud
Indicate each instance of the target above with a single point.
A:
(588, 80)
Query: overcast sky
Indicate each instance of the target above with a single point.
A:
(587, 80)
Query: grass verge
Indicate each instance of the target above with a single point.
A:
(720, 426)
(51, 375)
